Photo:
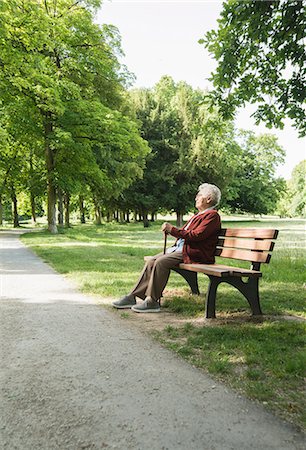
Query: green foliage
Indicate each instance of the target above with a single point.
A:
(189, 145)
(261, 59)
(292, 203)
(62, 89)
(255, 188)
(297, 190)
(101, 146)
(68, 126)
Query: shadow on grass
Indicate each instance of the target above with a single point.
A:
(275, 299)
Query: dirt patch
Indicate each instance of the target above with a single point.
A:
(152, 322)
(158, 322)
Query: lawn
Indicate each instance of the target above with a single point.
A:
(263, 358)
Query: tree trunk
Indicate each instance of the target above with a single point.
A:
(51, 188)
(67, 209)
(121, 216)
(179, 218)
(82, 209)
(15, 209)
(60, 207)
(145, 219)
(153, 216)
(98, 220)
(127, 216)
(33, 208)
(32, 196)
(1, 211)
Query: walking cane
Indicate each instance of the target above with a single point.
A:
(165, 241)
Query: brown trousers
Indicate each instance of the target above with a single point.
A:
(155, 275)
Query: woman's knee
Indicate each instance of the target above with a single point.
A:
(167, 262)
(150, 263)
(161, 263)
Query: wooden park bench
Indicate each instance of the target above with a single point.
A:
(245, 244)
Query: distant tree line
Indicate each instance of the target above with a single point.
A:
(293, 202)
(74, 138)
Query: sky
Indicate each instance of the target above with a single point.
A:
(160, 37)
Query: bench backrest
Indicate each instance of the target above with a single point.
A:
(246, 244)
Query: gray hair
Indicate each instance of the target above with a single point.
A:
(212, 190)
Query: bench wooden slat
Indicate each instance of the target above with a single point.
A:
(249, 244)
(220, 270)
(243, 255)
(257, 233)
(238, 272)
(209, 269)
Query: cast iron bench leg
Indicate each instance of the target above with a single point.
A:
(250, 291)
(210, 308)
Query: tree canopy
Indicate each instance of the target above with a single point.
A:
(260, 50)
(188, 145)
(61, 70)
(255, 189)
(191, 145)
(72, 135)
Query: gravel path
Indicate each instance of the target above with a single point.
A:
(75, 376)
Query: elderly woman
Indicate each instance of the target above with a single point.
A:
(196, 243)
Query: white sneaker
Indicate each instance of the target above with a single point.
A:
(147, 306)
(125, 302)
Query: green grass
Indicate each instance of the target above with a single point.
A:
(265, 361)
(263, 358)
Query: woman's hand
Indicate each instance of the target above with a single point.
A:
(166, 227)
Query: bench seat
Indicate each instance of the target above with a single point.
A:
(219, 270)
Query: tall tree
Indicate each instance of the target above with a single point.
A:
(255, 189)
(4, 167)
(13, 176)
(296, 203)
(260, 50)
(190, 145)
(54, 56)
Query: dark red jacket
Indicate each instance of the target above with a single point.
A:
(201, 238)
